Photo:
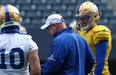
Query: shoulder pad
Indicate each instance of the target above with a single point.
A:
(101, 33)
(101, 28)
(28, 36)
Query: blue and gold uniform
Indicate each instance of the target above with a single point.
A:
(94, 36)
(97, 36)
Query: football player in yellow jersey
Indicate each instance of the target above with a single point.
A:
(97, 36)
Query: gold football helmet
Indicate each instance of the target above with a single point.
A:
(86, 15)
(9, 16)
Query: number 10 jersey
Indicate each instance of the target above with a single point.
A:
(14, 50)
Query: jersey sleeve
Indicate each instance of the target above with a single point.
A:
(101, 33)
(101, 49)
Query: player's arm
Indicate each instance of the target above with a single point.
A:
(34, 63)
(101, 49)
(101, 37)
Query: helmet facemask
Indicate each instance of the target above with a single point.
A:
(85, 22)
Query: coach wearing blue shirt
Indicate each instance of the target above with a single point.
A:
(70, 54)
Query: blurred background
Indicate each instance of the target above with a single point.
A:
(35, 12)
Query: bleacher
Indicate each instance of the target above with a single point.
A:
(35, 12)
